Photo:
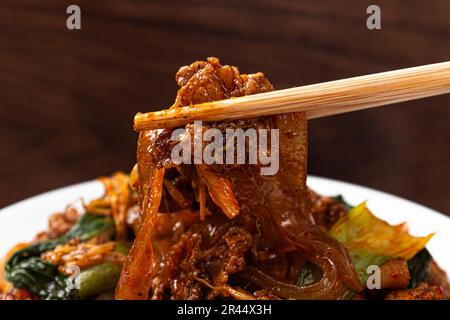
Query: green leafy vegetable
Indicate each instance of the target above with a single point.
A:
(371, 241)
(89, 226)
(339, 198)
(419, 267)
(26, 270)
(39, 277)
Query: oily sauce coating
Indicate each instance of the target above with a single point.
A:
(270, 215)
(206, 81)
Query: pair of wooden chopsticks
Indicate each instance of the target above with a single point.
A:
(317, 100)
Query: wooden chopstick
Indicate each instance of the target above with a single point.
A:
(317, 100)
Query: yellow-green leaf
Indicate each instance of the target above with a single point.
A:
(360, 229)
(372, 241)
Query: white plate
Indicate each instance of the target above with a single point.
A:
(21, 221)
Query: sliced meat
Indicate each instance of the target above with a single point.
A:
(325, 210)
(422, 292)
(198, 257)
(205, 81)
(59, 224)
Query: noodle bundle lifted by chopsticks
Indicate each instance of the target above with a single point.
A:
(270, 223)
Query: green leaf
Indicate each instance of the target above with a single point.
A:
(339, 198)
(26, 270)
(419, 267)
(372, 241)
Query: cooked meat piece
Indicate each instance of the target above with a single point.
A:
(203, 253)
(205, 81)
(181, 268)
(437, 276)
(422, 292)
(59, 224)
(227, 257)
(395, 274)
(325, 210)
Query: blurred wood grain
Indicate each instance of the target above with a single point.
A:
(67, 98)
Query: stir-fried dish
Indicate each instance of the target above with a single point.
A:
(220, 231)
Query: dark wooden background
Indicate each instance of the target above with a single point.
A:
(67, 98)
